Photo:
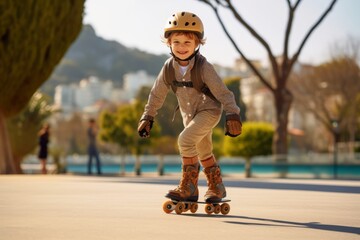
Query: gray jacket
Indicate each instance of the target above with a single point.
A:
(190, 100)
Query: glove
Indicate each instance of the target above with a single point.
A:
(233, 125)
(145, 126)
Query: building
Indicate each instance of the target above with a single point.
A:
(134, 81)
(65, 97)
(81, 97)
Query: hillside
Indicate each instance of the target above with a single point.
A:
(93, 55)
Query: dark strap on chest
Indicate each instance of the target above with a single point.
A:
(182, 84)
(196, 79)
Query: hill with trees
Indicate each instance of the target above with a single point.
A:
(91, 55)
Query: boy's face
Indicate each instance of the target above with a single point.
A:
(182, 45)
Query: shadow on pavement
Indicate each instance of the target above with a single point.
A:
(257, 185)
(281, 223)
(312, 225)
(294, 186)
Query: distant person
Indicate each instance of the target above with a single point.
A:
(92, 148)
(43, 135)
(200, 107)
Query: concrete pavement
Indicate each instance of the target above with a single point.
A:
(85, 207)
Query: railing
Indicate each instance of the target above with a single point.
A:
(312, 165)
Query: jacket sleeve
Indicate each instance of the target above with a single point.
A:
(219, 89)
(157, 94)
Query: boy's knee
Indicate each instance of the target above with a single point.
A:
(181, 139)
(185, 140)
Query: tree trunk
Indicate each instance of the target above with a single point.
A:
(352, 138)
(283, 101)
(123, 164)
(7, 165)
(17, 163)
(248, 167)
(137, 165)
(161, 165)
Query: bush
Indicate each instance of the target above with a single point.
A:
(255, 140)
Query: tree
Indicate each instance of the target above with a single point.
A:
(233, 84)
(281, 68)
(170, 125)
(34, 35)
(218, 142)
(70, 136)
(24, 127)
(331, 91)
(121, 128)
(164, 145)
(255, 140)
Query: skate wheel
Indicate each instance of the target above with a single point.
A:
(217, 209)
(225, 208)
(179, 208)
(168, 206)
(209, 208)
(193, 207)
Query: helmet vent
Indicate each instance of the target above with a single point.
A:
(183, 13)
(175, 23)
(187, 24)
(194, 23)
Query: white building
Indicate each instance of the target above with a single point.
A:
(134, 81)
(90, 90)
(75, 97)
(258, 99)
(65, 97)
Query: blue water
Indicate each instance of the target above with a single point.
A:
(317, 170)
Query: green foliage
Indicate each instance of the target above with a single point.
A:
(121, 128)
(357, 149)
(255, 140)
(23, 128)
(165, 145)
(165, 114)
(233, 84)
(218, 142)
(34, 35)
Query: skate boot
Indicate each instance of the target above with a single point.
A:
(216, 191)
(188, 186)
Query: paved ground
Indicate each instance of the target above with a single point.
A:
(85, 207)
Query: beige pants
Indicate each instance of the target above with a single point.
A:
(196, 138)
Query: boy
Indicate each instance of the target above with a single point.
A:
(200, 111)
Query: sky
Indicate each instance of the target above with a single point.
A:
(140, 24)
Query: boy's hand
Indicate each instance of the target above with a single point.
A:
(145, 126)
(233, 125)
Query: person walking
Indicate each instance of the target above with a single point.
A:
(92, 148)
(43, 139)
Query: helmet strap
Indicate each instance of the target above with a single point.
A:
(186, 59)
